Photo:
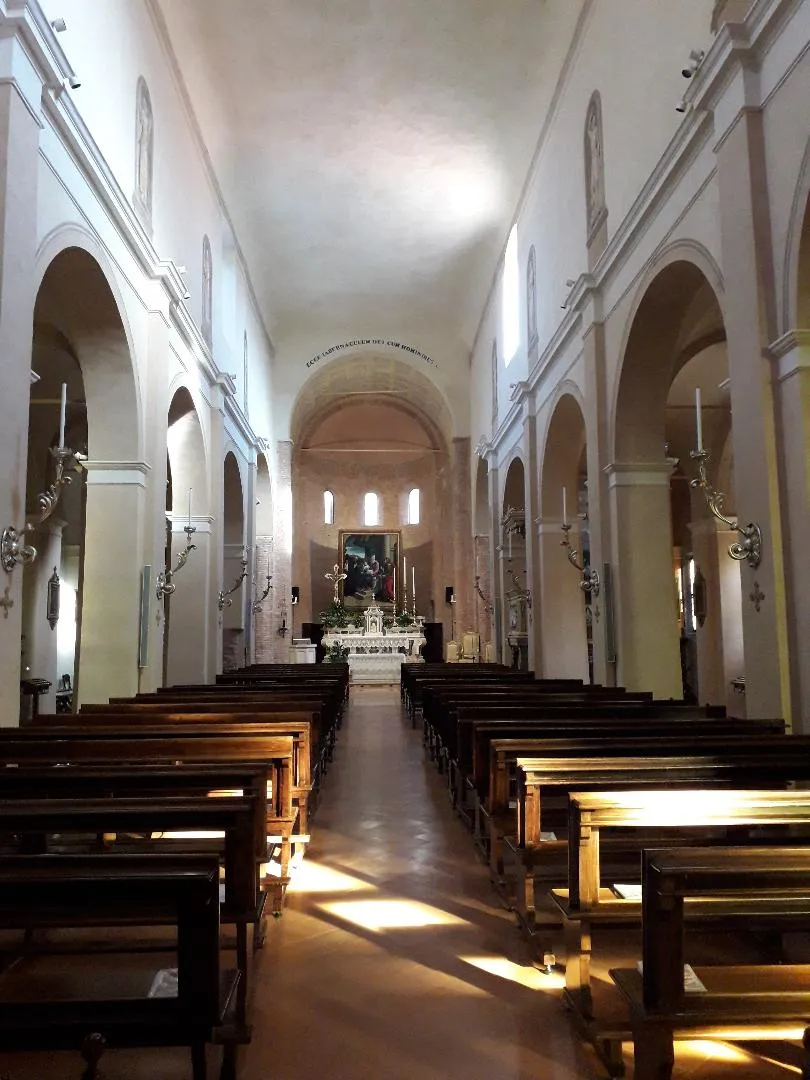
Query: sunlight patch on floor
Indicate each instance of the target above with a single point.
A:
(523, 974)
(380, 915)
(314, 877)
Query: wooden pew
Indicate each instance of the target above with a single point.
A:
(87, 1013)
(167, 746)
(30, 825)
(686, 815)
(721, 883)
(150, 718)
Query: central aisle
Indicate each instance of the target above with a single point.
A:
(394, 959)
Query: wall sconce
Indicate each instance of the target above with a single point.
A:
(224, 599)
(489, 607)
(259, 600)
(13, 548)
(589, 582)
(164, 585)
(282, 630)
(749, 549)
(52, 605)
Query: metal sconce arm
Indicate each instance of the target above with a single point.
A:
(590, 582)
(13, 548)
(164, 585)
(224, 599)
(258, 600)
(749, 549)
(488, 605)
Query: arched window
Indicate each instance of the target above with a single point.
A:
(413, 506)
(328, 508)
(510, 299)
(371, 509)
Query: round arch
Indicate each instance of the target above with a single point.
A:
(796, 264)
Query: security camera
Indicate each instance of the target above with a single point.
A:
(73, 82)
(695, 60)
(570, 282)
(59, 25)
(680, 106)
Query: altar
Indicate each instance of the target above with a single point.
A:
(376, 653)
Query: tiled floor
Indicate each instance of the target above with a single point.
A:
(394, 959)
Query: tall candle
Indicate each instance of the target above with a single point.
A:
(62, 411)
(698, 419)
(189, 506)
(413, 582)
(476, 559)
(404, 580)
(395, 586)
(565, 509)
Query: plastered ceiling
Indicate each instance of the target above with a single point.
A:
(371, 152)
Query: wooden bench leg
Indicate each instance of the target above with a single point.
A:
(578, 964)
(198, 1063)
(653, 1051)
(242, 965)
(92, 1049)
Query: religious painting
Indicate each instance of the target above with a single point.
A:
(594, 164)
(371, 562)
(206, 322)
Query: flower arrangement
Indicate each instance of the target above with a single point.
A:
(335, 617)
(336, 654)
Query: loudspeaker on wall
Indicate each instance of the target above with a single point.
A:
(448, 594)
(296, 595)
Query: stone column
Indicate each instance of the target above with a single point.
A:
(532, 566)
(189, 608)
(216, 544)
(111, 583)
(749, 309)
(648, 648)
(713, 687)
(791, 357)
(282, 581)
(495, 574)
(20, 123)
(155, 389)
(565, 641)
(263, 634)
(597, 411)
(483, 559)
(462, 535)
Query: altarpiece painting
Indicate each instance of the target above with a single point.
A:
(370, 560)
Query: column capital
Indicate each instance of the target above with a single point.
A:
(117, 473)
(638, 473)
(791, 352)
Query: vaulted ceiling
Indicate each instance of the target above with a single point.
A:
(371, 152)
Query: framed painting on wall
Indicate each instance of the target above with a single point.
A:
(369, 560)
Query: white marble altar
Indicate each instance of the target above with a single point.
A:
(301, 651)
(376, 654)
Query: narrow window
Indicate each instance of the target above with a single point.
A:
(371, 509)
(328, 508)
(510, 299)
(413, 506)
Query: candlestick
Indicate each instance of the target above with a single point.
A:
(62, 411)
(699, 420)
(395, 587)
(565, 510)
(476, 559)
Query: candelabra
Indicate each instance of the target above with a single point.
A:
(13, 548)
(224, 599)
(489, 607)
(164, 584)
(749, 549)
(589, 582)
(259, 600)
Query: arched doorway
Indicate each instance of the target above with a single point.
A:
(187, 610)
(80, 341)
(669, 562)
(566, 611)
(515, 612)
